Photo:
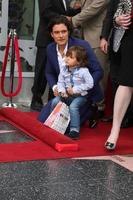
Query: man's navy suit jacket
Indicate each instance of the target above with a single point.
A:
(52, 72)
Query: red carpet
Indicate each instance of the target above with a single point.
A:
(91, 142)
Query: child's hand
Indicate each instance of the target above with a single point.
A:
(70, 91)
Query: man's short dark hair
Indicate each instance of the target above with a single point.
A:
(60, 20)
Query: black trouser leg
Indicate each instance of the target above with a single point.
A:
(40, 81)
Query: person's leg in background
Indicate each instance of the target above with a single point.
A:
(40, 82)
(114, 73)
(128, 118)
(95, 96)
(104, 61)
(122, 99)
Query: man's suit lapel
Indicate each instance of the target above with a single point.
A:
(55, 58)
(70, 42)
(61, 4)
(67, 4)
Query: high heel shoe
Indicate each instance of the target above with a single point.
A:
(110, 146)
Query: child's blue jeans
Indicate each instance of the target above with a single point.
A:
(74, 104)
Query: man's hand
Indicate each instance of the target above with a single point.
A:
(123, 21)
(77, 5)
(104, 45)
(70, 91)
(56, 91)
(69, 18)
(64, 95)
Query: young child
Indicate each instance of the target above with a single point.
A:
(74, 81)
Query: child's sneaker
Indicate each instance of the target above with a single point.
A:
(74, 135)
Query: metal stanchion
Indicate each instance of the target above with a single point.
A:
(12, 38)
(12, 34)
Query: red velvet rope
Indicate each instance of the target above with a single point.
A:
(6, 94)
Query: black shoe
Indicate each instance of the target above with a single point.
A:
(93, 120)
(100, 114)
(110, 146)
(74, 135)
(36, 106)
(36, 103)
(92, 123)
(107, 119)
